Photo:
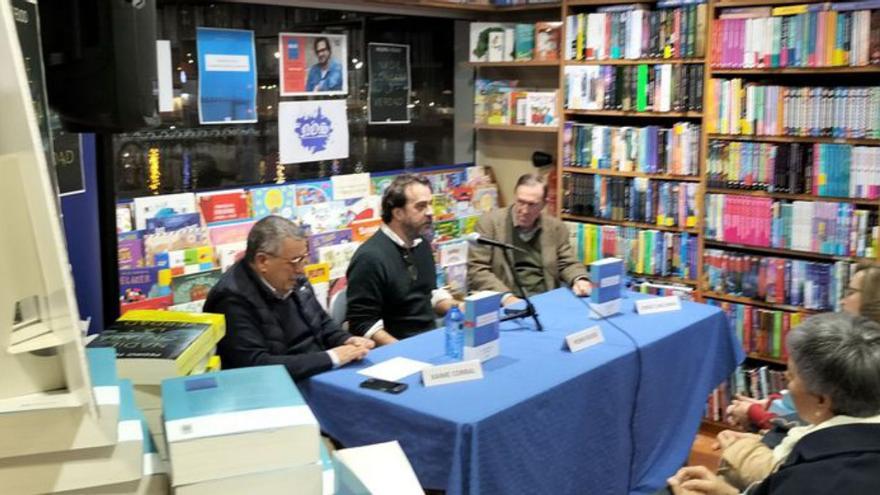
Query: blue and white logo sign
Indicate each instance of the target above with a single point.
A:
(312, 130)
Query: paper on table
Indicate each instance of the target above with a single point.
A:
(394, 369)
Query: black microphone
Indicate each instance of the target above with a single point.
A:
(476, 238)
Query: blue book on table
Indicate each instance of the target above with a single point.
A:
(481, 325)
(607, 278)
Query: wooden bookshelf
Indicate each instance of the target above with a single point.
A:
(864, 69)
(783, 252)
(626, 223)
(756, 302)
(618, 173)
(467, 7)
(793, 197)
(517, 128)
(795, 139)
(647, 115)
(665, 279)
(517, 65)
(640, 61)
(758, 3)
(761, 357)
(600, 3)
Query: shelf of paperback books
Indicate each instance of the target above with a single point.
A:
(662, 279)
(785, 252)
(551, 129)
(759, 3)
(517, 64)
(599, 3)
(617, 173)
(626, 223)
(756, 302)
(794, 139)
(638, 61)
(764, 71)
(621, 113)
(795, 197)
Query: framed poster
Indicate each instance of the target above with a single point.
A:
(313, 64)
(313, 130)
(389, 82)
(227, 76)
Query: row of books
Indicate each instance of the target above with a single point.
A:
(808, 284)
(755, 109)
(837, 229)
(500, 102)
(634, 32)
(816, 35)
(832, 170)
(653, 149)
(757, 383)
(635, 88)
(643, 251)
(761, 331)
(662, 203)
(506, 42)
(683, 292)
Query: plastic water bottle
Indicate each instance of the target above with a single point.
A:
(454, 333)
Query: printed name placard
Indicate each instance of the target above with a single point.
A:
(579, 341)
(658, 305)
(452, 373)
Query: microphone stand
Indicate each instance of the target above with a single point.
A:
(530, 308)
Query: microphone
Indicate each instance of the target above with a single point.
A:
(475, 238)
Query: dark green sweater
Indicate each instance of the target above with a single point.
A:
(381, 286)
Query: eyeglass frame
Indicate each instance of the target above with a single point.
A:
(294, 262)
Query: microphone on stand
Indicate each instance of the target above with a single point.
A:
(476, 238)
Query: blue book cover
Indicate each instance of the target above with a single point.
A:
(102, 366)
(607, 278)
(171, 223)
(273, 200)
(128, 410)
(481, 318)
(235, 390)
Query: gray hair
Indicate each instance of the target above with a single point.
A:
(267, 235)
(532, 179)
(838, 355)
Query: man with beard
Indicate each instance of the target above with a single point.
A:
(392, 289)
(326, 75)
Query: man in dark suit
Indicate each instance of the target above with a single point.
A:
(272, 315)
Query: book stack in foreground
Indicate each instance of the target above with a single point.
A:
(245, 430)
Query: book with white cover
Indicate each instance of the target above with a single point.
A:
(373, 469)
(236, 422)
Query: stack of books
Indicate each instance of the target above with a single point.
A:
(63, 446)
(246, 430)
(153, 345)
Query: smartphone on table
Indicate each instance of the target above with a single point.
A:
(384, 385)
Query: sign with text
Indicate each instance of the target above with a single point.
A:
(658, 305)
(68, 162)
(314, 130)
(452, 373)
(579, 341)
(313, 64)
(227, 76)
(389, 82)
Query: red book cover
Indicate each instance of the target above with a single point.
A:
(780, 280)
(786, 326)
(224, 207)
(152, 303)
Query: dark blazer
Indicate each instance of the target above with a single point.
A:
(257, 336)
(841, 459)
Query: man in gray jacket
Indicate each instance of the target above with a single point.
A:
(546, 255)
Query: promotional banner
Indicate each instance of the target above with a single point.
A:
(309, 131)
(313, 64)
(389, 82)
(227, 76)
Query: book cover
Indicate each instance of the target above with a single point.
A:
(224, 206)
(309, 193)
(456, 279)
(606, 276)
(485, 199)
(161, 206)
(547, 40)
(379, 184)
(171, 223)
(479, 39)
(130, 253)
(324, 217)
(149, 339)
(229, 254)
(136, 284)
(481, 325)
(468, 224)
(524, 42)
(273, 200)
(159, 303)
(541, 109)
(350, 186)
(123, 218)
(441, 206)
(452, 252)
(317, 241)
(338, 257)
(194, 286)
(361, 230)
(446, 230)
(155, 244)
(230, 233)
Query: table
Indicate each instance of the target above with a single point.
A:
(606, 420)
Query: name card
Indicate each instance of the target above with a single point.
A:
(579, 341)
(658, 305)
(452, 373)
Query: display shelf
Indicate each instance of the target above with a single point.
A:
(756, 302)
(618, 173)
(625, 223)
(640, 61)
(783, 252)
(517, 128)
(646, 115)
(793, 197)
(795, 139)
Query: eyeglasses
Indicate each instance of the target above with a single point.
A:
(410, 266)
(293, 261)
(532, 206)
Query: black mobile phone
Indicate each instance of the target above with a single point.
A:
(384, 385)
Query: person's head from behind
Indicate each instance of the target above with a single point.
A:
(277, 251)
(862, 297)
(406, 205)
(834, 367)
(530, 196)
(322, 49)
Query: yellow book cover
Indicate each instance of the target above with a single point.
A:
(318, 273)
(189, 358)
(830, 41)
(581, 33)
(790, 10)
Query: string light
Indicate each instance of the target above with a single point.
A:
(155, 173)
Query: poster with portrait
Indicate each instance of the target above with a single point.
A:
(227, 76)
(311, 64)
(389, 82)
(310, 131)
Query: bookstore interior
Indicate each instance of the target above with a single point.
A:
(342, 247)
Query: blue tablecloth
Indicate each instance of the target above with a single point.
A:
(607, 420)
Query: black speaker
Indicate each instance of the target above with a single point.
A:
(541, 159)
(100, 60)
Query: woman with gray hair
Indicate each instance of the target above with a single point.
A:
(834, 380)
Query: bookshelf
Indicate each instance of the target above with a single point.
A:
(517, 128)
(618, 173)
